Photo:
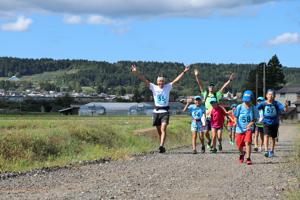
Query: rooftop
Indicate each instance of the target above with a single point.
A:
(289, 89)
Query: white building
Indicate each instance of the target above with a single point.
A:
(292, 95)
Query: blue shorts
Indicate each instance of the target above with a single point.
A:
(208, 127)
(198, 129)
(217, 128)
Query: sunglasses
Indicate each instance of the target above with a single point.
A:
(211, 86)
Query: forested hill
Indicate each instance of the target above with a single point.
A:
(108, 75)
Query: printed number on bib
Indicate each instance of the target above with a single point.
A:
(246, 119)
(270, 110)
(161, 99)
(196, 115)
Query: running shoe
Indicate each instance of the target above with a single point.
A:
(203, 149)
(266, 154)
(220, 146)
(208, 144)
(232, 143)
(271, 154)
(276, 139)
(260, 149)
(248, 161)
(214, 150)
(255, 148)
(241, 159)
(195, 151)
(161, 149)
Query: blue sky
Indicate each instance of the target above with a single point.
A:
(185, 31)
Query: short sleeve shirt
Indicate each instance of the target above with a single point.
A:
(161, 96)
(197, 113)
(245, 116)
(270, 114)
(217, 117)
(209, 97)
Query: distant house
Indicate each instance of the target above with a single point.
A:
(292, 95)
(14, 78)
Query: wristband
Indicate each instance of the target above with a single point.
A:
(184, 72)
(230, 79)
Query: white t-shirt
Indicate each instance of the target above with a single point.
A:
(161, 96)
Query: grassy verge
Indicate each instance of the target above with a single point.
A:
(28, 142)
(293, 167)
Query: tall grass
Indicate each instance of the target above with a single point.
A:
(293, 167)
(28, 142)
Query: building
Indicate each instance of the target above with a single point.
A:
(292, 95)
(14, 78)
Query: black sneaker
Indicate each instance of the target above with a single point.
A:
(214, 150)
(161, 149)
(220, 146)
(203, 149)
(195, 151)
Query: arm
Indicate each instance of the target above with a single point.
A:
(227, 83)
(198, 80)
(187, 68)
(286, 104)
(140, 76)
(250, 124)
(188, 102)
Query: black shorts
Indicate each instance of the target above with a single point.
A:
(159, 118)
(271, 130)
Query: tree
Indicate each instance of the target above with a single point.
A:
(99, 89)
(136, 96)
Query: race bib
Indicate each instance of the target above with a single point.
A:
(161, 99)
(196, 114)
(245, 120)
(270, 111)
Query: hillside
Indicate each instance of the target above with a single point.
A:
(117, 77)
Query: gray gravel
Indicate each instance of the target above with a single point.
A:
(177, 174)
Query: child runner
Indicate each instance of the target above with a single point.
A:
(246, 115)
(217, 114)
(231, 125)
(161, 93)
(207, 97)
(272, 110)
(259, 128)
(198, 124)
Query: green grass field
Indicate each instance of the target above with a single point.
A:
(28, 142)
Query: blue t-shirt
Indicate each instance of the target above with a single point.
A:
(245, 116)
(197, 113)
(270, 114)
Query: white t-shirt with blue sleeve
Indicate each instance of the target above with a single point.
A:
(245, 116)
(197, 113)
(161, 96)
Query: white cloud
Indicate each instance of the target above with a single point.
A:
(120, 31)
(72, 19)
(100, 20)
(249, 44)
(22, 24)
(286, 38)
(129, 8)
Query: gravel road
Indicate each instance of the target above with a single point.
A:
(177, 174)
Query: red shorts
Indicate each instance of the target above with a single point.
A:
(241, 138)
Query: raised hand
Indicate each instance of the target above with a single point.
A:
(187, 68)
(196, 72)
(232, 76)
(133, 68)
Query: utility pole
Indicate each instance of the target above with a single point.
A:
(264, 79)
(256, 85)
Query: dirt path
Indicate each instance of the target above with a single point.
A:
(178, 174)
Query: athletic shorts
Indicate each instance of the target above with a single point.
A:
(198, 129)
(231, 129)
(217, 128)
(159, 118)
(208, 127)
(241, 138)
(271, 130)
(259, 129)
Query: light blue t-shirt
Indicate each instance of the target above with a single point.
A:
(197, 113)
(245, 116)
(270, 114)
(261, 114)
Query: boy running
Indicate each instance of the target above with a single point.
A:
(207, 97)
(246, 115)
(259, 128)
(198, 124)
(231, 125)
(217, 114)
(161, 94)
(272, 110)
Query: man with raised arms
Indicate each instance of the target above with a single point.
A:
(161, 94)
(207, 97)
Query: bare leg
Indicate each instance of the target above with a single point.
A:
(206, 132)
(266, 142)
(219, 136)
(272, 143)
(194, 139)
(261, 139)
(163, 133)
(158, 128)
(201, 137)
(214, 136)
(256, 138)
(248, 149)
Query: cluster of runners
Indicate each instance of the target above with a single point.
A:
(242, 119)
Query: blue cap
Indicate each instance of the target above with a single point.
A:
(233, 105)
(270, 90)
(260, 99)
(248, 96)
(213, 100)
(197, 97)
